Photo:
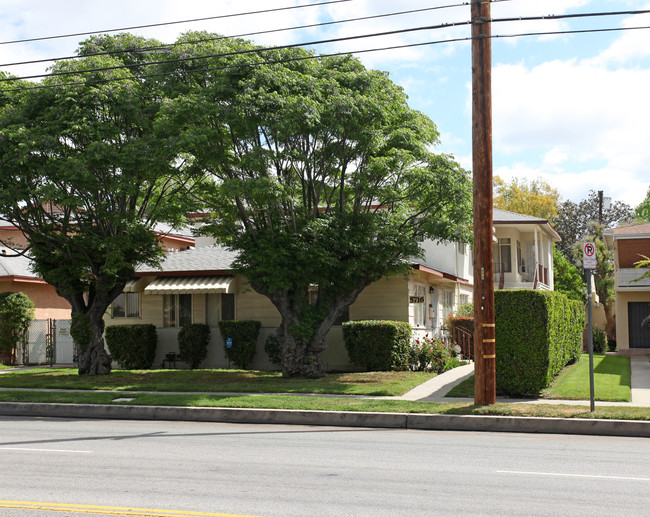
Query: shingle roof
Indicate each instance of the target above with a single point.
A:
(15, 266)
(635, 229)
(503, 216)
(204, 258)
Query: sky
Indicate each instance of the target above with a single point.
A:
(570, 109)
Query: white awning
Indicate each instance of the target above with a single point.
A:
(190, 285)
(132, 286)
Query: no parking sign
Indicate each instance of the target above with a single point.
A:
(589, 255)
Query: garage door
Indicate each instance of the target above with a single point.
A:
(639, 321)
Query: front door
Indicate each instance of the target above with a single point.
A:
(638, 315)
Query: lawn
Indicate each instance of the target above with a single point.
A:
(225, 381)
(611, 381)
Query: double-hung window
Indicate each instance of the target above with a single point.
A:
(126, 305)
(177, 310)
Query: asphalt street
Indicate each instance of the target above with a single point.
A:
(173, 468)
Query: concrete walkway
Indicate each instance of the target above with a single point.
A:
(435, 389)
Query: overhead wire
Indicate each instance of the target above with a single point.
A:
(243, 35)
(318, 56)
(161, 24)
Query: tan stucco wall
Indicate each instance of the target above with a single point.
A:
(622, 329)
(47, 304)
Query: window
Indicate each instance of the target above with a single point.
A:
(502, 256)
(219, 307)
(417, 300)
(464, 299)
(447, 299)
(126, 305)
(177, 310)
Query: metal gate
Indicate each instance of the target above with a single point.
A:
(638, 314)
(47, 342)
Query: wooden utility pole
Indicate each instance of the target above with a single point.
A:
(484, 329)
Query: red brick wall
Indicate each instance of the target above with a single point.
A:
(630, 249)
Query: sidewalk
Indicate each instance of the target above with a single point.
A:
(435, 389)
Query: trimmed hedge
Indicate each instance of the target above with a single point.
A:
(193, 344)
(463, 322)
(244, 340)
(132, 346)
(378, 345)
(537, 334)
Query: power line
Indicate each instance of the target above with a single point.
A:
(257, 33)
(332, 40)
(240, 52)
(171, 23)
(333, 54)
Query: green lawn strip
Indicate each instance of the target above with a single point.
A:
(239, 381)
(334, 404)
(611, 381)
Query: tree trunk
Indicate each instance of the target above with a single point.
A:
(300, 357)
(610, 319)
(93, 358)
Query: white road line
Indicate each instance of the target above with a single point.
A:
(558, 474)
(43, 450)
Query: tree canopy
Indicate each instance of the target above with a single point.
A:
(573, 222)
(87, 173)
(323, 180)
(534, 197)
(567, 278)
(642, 212)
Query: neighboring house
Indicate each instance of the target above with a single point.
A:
(16, 276)
(523, 251)
(632, 296)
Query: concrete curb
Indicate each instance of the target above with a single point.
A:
(336, 419)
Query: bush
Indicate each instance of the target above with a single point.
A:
(599, 340)
(16, 311)
(430, 354)
(273, 349)
(537, 334)
(132, 346)
(193, 342)
(611, 345)
(244, 340)
(466, 310)
(378, 345)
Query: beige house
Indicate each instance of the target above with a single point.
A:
(632, 295)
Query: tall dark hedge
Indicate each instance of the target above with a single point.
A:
(132, 346)
(193, 343)
(244, 340)
(378, 345)
(537, 334)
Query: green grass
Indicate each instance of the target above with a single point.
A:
(611, 381)
(333, 404)
(239, 381)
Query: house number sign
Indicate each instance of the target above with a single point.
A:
(416, 299)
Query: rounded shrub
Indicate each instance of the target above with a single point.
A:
(193, 343)
(378, 345)
(244, 340)
(132, 346)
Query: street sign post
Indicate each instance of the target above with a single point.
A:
(589, 262)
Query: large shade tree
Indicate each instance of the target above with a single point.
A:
(323, 179)
(535, 197)
(86, 175)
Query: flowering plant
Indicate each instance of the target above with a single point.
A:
(430, 353)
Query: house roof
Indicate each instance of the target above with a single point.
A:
(212, 259)
(634, 230)
(15, 266)
(511, 218)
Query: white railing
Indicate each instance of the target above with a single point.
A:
(626, 277)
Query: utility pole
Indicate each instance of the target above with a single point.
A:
(484, 328)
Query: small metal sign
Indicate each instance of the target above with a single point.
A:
(229, 342)
(589, 255)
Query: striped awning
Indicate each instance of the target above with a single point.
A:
(132, 286)
(190, 285)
